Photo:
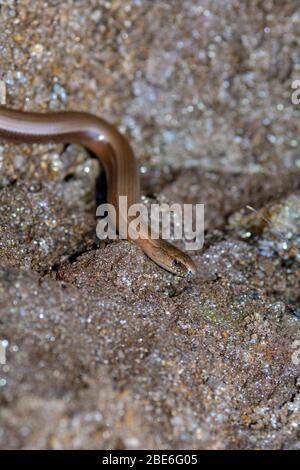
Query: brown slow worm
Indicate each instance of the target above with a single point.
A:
(116, 155)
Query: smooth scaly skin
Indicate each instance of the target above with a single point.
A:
(114, 152)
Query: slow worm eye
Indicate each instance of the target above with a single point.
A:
(178, 264)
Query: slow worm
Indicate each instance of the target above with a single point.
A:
(116, 155)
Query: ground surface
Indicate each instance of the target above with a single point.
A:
(105, 349)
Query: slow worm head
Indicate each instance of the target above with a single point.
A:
(116, 155)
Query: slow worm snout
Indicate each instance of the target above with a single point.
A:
(114, 152)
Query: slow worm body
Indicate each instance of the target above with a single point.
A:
(117, 157)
